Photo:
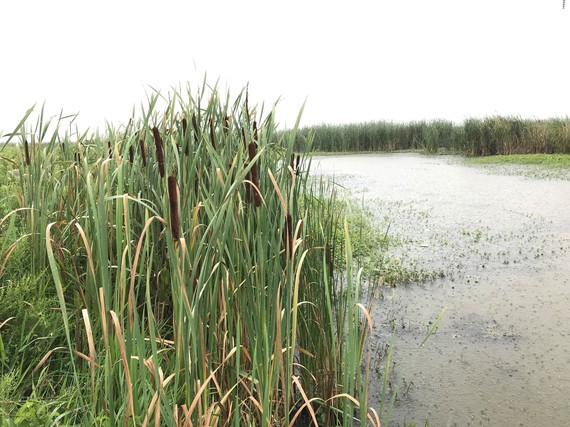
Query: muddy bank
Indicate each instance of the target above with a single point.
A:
(501, 240)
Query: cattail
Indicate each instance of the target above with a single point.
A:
(159, 152)
(77, 158)
(212, 139)
(297, 164)
(131, 154)
(288, 234)
(292, 161)
(110, 149)
(184, 128)
(252, 148)
(195, 126)
(27, 152)
(173, 198)
(143, 154)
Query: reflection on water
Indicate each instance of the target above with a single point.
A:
(501, 353)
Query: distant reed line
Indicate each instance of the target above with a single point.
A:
(474, 137)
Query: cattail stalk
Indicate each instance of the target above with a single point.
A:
(173, 199)
(159, 152)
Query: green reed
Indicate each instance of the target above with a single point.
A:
(192, 264)
(474, 137)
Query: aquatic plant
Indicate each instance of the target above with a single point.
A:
(193, 281)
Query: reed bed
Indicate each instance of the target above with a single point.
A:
(474, 137)
(191, 262)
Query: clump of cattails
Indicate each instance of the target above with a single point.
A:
(159, 150)
(143, 153)
(27, 152)
(295, 163)
(173, 199)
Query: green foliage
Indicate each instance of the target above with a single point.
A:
(31, 323)
(189, 281)
(475, 137)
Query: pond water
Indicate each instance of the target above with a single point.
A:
(501, 238)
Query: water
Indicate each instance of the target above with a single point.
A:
(501, 353)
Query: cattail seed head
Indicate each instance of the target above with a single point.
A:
(131, 154)
(159, 152)
(27, 152)
(212, 135)
(173, 199)
(252, 148)
(195, 126)
(288, 234)
(186, 142)
(143, 153)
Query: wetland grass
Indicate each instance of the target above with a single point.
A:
(474, 137)
(177, 303)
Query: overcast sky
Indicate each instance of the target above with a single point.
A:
(353, 61)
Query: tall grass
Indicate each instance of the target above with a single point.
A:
(474, 137)
(192, 266)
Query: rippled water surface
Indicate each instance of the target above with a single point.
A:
(501, 354)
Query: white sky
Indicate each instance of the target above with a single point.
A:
(354, 60)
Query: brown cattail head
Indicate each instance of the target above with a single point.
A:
(212, 135)
(297, 163)
(186, 142)
(27, 152)
(288, 234)
(252, 148)
(173, 199)
(131, 154)
(195, 126)
(77, 158)
(159, 152)
(143, 153)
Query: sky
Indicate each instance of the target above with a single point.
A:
(354, 61)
